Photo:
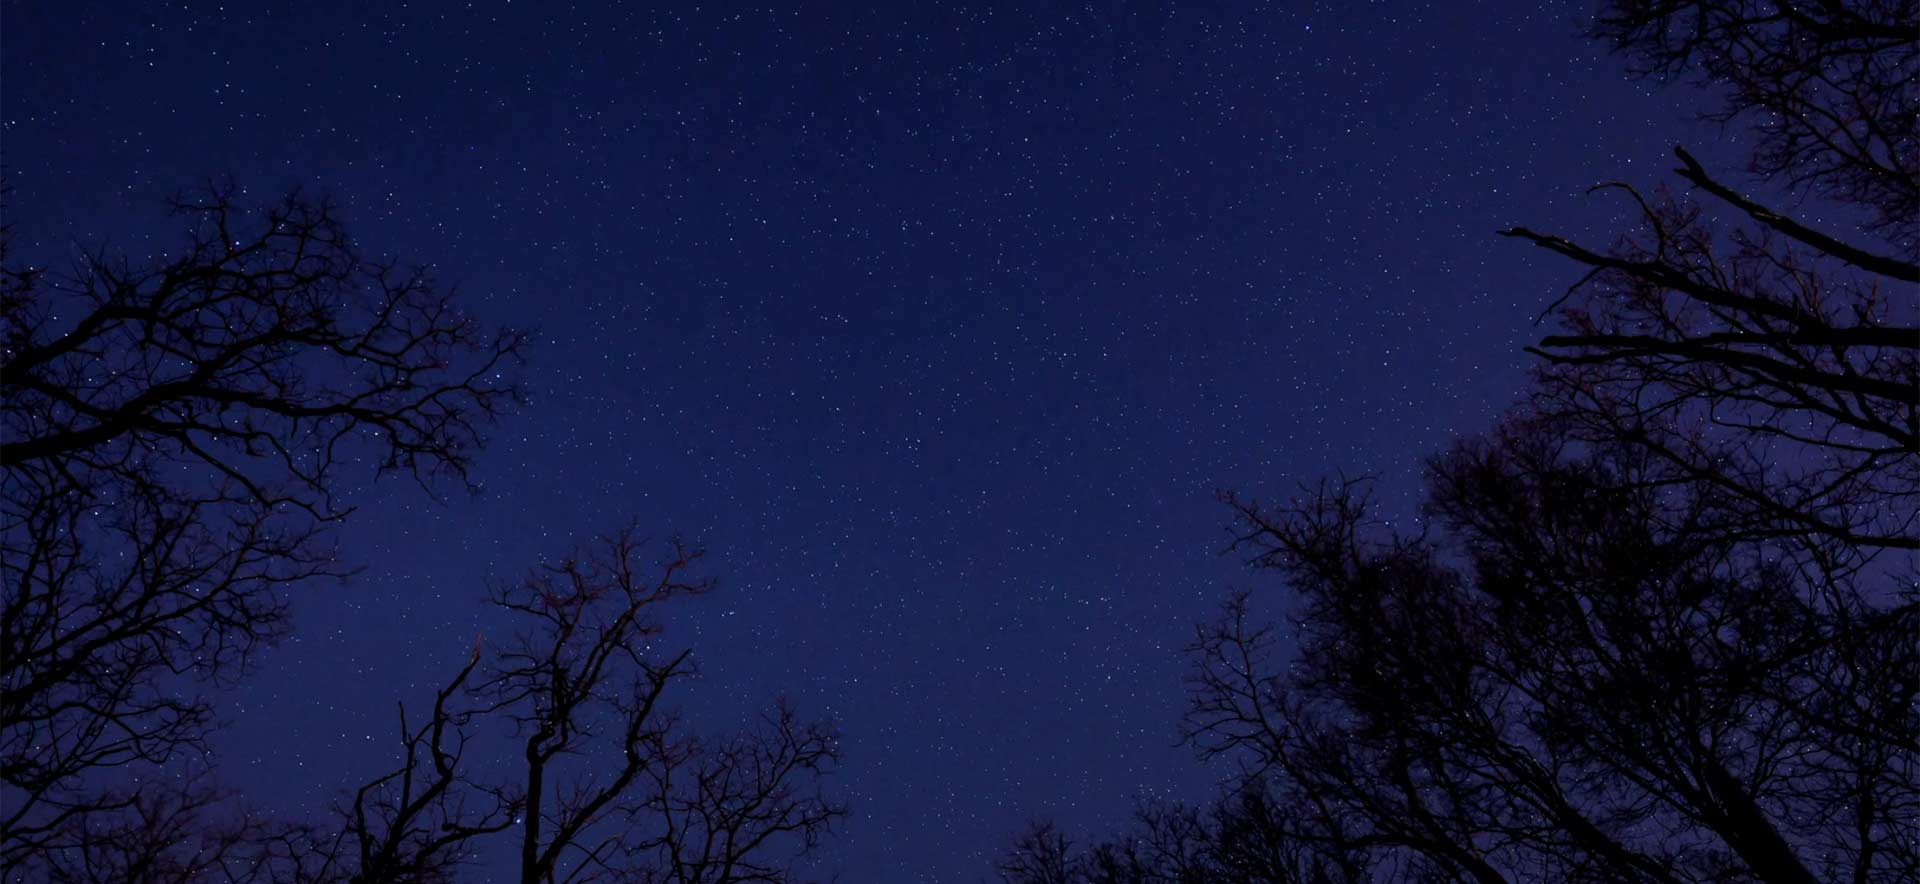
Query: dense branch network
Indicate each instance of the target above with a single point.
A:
(174, 441)
(1659, 624)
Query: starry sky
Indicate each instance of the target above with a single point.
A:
(940, 324)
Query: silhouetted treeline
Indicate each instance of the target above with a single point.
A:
(1662, 622)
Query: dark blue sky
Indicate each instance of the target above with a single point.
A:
(939, 325)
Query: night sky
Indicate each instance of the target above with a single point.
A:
(939, 326)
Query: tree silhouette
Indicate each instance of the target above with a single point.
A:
(1659, 624)
(175, 439)
(607, 786)
(1576, 678)
(1773, 363)
(176, 442)
(1246, 836)
(1826, 86)
(1041, 855)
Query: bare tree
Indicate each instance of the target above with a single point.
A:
(419, 822)
(1041, 855)
(1582, 681)
(174, 438)
(1827, 88)
(1659, 625)
(1654, 590)
(1773, 362)
(607, 785)
(174, 441)
(181, 830)
(1770, 374)
(722, 813)
(672, 808)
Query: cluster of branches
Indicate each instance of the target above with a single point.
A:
(1772, 363)
(175, 440)
(1243, 836)
(1662, 624)
(172, 438)
(605, 786)
(1828, 88)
